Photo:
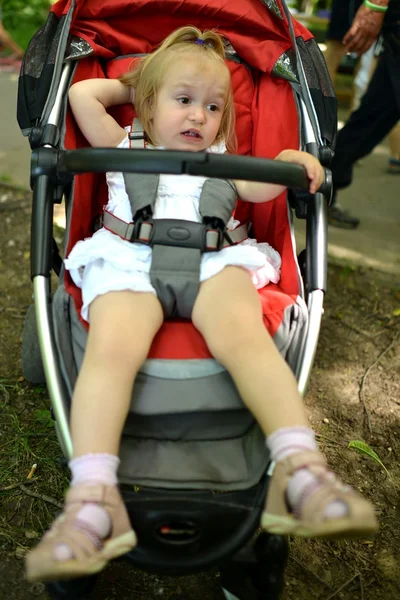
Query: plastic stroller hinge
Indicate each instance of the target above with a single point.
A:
(45, 161)
(49, 135)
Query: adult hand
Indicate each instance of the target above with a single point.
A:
(365, 29)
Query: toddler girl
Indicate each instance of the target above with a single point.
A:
(182, 94)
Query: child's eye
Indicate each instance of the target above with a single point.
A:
(183, 100)
(213, 107)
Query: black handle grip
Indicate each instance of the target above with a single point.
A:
(225, 166)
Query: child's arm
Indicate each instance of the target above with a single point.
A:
(253, 191)
(89, 100)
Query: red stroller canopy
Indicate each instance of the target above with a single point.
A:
(120, 27)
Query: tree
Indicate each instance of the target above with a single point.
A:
(22, 18)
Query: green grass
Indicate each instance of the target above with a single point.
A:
(27, 437)
(5, 178)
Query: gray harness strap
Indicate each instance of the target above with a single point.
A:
(142, 190)
(217, 199)
(175, 275)
(178, 245)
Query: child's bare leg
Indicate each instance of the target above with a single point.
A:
(234, 331)
(122, 328)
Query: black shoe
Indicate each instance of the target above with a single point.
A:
(341, 218)
(393, 166)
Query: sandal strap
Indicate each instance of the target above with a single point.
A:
(332, 490)
(283, 471)
(328, 489)
(310, 520)
(90, 555)
(304, 460)
(65, 531)
(107, 496)
(78, 542)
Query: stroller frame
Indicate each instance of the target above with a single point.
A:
(49, 168)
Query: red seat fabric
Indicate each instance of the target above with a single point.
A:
(267, 123)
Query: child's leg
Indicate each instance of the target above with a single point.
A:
(235, 333)
(122, 327)
(234, 330)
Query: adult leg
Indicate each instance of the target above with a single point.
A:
(234, 331)
(342, 14)
(366, 127)
(394, 145)
(333, 55)
(8, 42)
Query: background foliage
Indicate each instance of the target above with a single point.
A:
(22, 18)
(309, 6)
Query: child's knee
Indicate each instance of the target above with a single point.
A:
(237, 336)
(118, 349)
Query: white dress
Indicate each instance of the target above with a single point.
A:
(105, 262)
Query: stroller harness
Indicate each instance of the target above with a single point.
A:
(177, 244)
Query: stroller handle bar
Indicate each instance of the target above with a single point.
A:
(100, 160)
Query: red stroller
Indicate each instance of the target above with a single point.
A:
(176, 455)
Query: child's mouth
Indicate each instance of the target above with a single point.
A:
(192, 134)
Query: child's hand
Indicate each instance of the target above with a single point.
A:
(315, 172)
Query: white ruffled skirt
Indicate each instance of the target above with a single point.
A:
(105, 263)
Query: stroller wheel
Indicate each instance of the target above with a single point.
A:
(259, 576)
(32, 365)
(72, 589)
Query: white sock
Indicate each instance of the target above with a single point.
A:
(92, 520)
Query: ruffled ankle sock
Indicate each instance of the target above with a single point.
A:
(291, 440)
(92, 520)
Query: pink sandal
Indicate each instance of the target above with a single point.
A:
(41, 565)
(310, 522)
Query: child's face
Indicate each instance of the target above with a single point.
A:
(190, 104)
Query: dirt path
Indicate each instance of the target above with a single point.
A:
(353, 395)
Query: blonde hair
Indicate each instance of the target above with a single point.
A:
(148, 75)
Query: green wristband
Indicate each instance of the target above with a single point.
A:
(375, 7)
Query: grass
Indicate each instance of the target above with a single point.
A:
(5, 178)
(27, 437)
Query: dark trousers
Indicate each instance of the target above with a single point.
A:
(377, 114)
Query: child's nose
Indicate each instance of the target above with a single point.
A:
(197, 114)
